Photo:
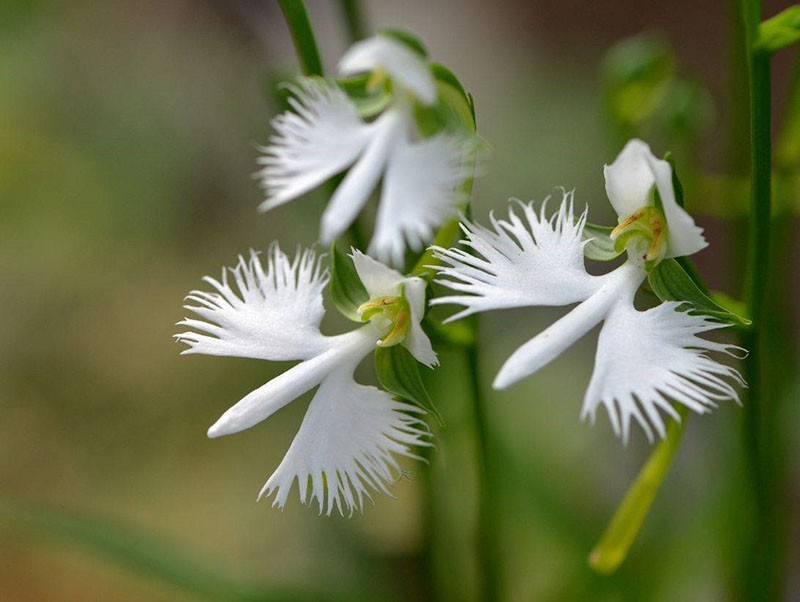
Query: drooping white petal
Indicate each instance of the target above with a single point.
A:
(379, 279)
(530, 261)
(683, 236)
(402, 64)
(354, 190)
(555, 339)
(416, 341)
(420, 192)
(271, 314)
(320, 137)
(645, 360)
(346, 349)
(346, 446)
(629, 180)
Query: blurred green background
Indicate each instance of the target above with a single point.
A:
(127, 144)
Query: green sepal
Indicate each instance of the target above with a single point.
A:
(368, 103)
(407, 39)
(670, 282)
(453, 95)
(780, 31)
(347, 290)
(676, 181)
(398, 373)
(600, 247)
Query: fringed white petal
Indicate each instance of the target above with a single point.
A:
(380, 280)
(533, 260)
(646, 360)
(346, 446)
(402, 64)
(353, 192)
(319, 138)
(271, 314)
(555, 339)
(629, 180)
(420, 192)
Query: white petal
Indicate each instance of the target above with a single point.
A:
(403, 65)
(420, 192)
(274, 314)
(347, 349)
(538, 261)
(360, 181)
(416, 341)
(555, 339)
(346, 446)
(629, 178)
(645, 360)
(683, 236)
(320, 137)
(379, 279)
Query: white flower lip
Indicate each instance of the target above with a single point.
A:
(645, 359)
(629, 180)
(351, 433)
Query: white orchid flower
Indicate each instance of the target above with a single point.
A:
(350, 432)
(645, 359)
(324, 135)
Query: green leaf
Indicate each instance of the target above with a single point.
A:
(456, 105)
(600, 247)
(780, 31)
(408, 39)
(670, 282)
(347, 290)
(398, 373)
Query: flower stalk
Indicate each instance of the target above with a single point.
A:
(613, 547)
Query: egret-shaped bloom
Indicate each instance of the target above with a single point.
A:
(324, 135)
(350, 433)
(645, 359)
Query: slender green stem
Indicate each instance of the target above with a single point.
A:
(762, 576)
(294, 11)
(613, 547)
(488, 535)
(354, 19)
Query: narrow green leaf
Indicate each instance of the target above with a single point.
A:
(600, 246)
(347, 290)
(670, 282)
(780, 31)
(143, 554)
(408, 39)
(398, 373)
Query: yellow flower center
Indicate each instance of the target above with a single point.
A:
(643, 233)
(392, 313)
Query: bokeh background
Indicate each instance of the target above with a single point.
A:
(127, 146)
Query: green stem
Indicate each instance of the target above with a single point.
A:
(354, 19)
(621, 532)
(761, 575)
(294, 11)
(488, 535)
